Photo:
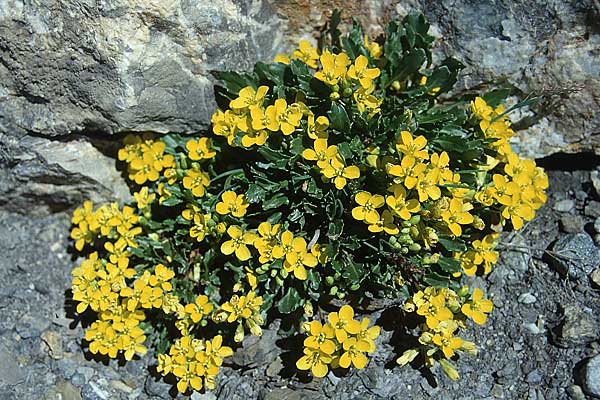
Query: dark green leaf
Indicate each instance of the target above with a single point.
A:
(289, 302)
(338, 118)
(452, 245)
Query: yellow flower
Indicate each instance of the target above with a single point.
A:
(385, 223)
(307, 54)
(427, 186)
(264, 119)
(365, 101)
(321, 337)
(248, 97)
(281, 58)
(200, 228)
(478, 307)
(374, 48)
(232, 203)
(343, 323)
(200, 149)
(434, 310)
(238, 243)
(456, 215)
(480, 109)
(322, 154)
(288, 117)
(334, 67)
(353, 353)
(399, 205)
(361, 73)
(315, 360)
(143, 198)
(338, 171)
(410, 146)
(196, 181)
(199, 310)
(368, 205)
(317, 129)
(408, 171)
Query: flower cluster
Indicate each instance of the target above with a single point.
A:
(341, 342)
(444, 312)
(243, 311)
(194, 363)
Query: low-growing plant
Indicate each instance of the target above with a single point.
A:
(337, 175)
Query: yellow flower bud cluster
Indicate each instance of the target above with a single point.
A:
(341, 342)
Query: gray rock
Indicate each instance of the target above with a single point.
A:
(597, 225)
(124, 65)
(595, 277)
(591, 377)
(10, 372)
(571, 223)
(31, 326)
(575, 392)
(574, 255)
(527, 298)
(564, 205)
(578, 327)
(592, 209)
(534, 377)
(595, 178)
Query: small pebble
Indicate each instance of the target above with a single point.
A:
(595, 277)
(531, 327)
(564, 205)
(527, 298)
(597, 225)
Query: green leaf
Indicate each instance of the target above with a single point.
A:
(171, 201)
(345, 150)
(289, 302)
(450, 264)
(452, 245)
(275, 201)
(255, 193)
(338, 118)
(496, 97)
(335, 229)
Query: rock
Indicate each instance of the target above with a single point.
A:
(203, 396)
(257, 350)
(595, 178)
(31, 326)
(124, 65)
(53, 341)
(531, 327)
(497, 391)
(575, 392)
(595, 277)
(157, 388)
(534, 377)
(527, 298)
(571, 223)
(597, 225)
(10, 371)
(574, 255)
(564, 205)
(289, 394)
(591, 377)
(592, 209)
(578, 327)
(64, 391)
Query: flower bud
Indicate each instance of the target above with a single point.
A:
(334, 96)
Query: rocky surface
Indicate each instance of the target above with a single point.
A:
(75, 75)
